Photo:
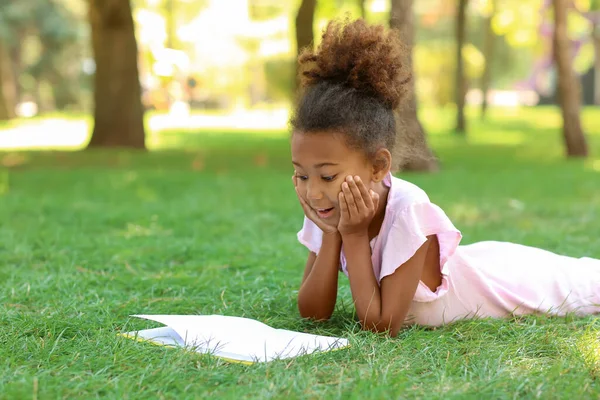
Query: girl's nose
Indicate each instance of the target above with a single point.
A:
(313, 192)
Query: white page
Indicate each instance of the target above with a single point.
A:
(290, 343)
(232, 337)
(242, 338)
(167, 336)
(163, 335)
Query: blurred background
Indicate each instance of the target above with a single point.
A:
(69, 69)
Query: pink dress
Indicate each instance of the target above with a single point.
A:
(485, 279)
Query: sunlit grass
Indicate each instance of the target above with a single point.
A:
(589, 345)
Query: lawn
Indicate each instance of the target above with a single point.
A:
(207, 224)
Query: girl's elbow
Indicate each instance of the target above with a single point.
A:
(312, 313)
(382, 325)
(315, 316)
(394, 331)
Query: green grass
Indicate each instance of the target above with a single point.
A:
(87, 239)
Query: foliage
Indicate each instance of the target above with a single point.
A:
(434, 66)
(518, 21)
(49, 40)
(184, 10)
(328, 10)
(280, 75)
(527, 24)
(435, 47)
(54, 43)
(89, 239)
(266, 10)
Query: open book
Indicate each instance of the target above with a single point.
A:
(233, 338)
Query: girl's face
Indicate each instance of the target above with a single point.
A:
(322, 161)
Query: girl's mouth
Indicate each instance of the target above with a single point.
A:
(325, 212)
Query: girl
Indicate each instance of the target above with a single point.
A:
(399, 250)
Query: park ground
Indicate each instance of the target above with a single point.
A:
(206, 222)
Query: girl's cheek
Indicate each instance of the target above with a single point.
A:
(302, 188)
(335, 197)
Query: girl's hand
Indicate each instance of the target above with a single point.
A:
(357, 206)
(311, 214)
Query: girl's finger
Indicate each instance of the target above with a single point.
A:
(352, 208)
(358, 198)
(343, 206)
(364, 193)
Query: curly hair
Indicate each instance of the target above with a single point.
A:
(352, 84)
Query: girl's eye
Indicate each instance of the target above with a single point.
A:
(302, 177)
(328, 178)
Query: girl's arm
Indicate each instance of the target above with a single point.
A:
(379, 308)
(318, 292)
(383, 308)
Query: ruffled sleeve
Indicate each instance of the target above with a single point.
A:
(409, 231)
(310, 236)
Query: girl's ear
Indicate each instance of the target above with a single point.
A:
(382, 164)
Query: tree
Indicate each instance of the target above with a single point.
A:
(118, 112)
(488, 53)
(362, 8)
(170, 18)
(42, 40)
(411, 130)
(569, 87)
(595, 20)
(304, 27)
(11, 14)
(460, 81)
(7, 106)
(58, 34)
(596, 39)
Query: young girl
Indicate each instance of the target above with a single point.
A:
(400, 252)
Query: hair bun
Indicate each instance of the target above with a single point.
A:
(370, 59)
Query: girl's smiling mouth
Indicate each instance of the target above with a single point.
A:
(325, 212)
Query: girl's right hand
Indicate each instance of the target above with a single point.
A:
(311, 214)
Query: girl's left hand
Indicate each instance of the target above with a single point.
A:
(358, 206)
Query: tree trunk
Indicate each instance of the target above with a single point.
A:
(410, 130)
(569, 87)
(39, 99)
(118, 112)
(488, 50)
(363, 10)
(7, 85)
(460, 82)
(304, 28)
(596, 39)
(170, 17)
(16, 64)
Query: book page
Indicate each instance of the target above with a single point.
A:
(287, 343)
(165, 336)
(231, 337)
(243, 338)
